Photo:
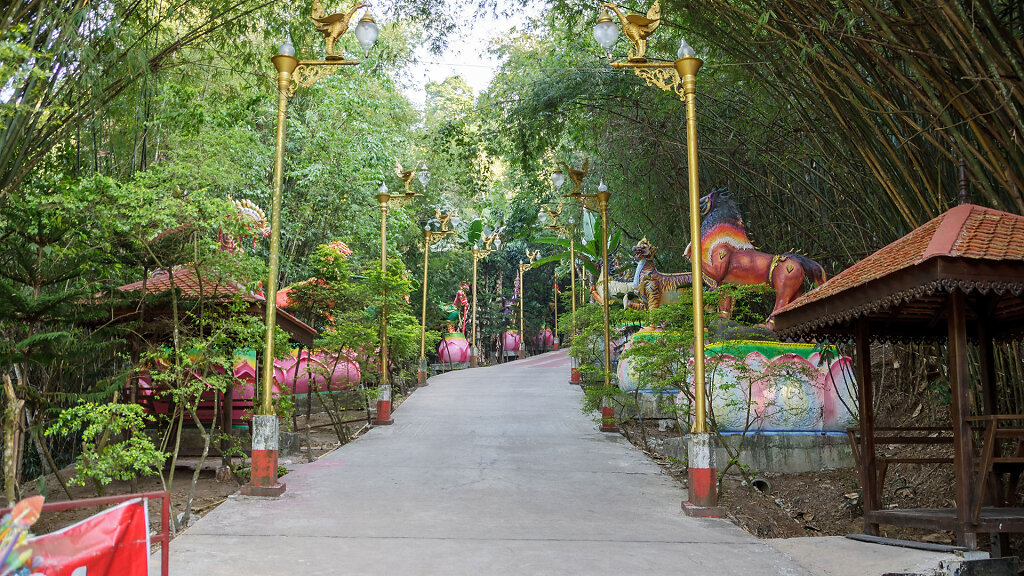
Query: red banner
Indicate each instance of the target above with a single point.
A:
(114, 542)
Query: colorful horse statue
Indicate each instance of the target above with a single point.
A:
(728, 256)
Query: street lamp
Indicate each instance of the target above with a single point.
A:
(383, 198)
(588, 200)
(431, 237)
(680, 77)
(291, 73)
(549, 219)
(523, 267)
(479, 254)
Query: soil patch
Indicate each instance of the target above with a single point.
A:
(823, 503)
(210, 491)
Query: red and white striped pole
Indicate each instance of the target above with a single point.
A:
(263, 473)
(383, 406)
(608, 417)
(702, 498)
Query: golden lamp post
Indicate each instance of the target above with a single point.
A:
(383, 199)
(549, 219)
(478, 255)
(291, 73)
(431, 237)
(679, 76)
(589, 200)
(523, 267)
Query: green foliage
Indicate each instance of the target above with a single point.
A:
(105, 456)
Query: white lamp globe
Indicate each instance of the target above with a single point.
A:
(685, 50)
(423, 175)
(557, 178)
(367, 32)
(606, 31)
(287, 49)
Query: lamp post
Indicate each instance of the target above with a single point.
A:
(523, 267)
(478, 255)
(549, 219)
(383, 198)
(588, 201)
(680, 76)
(291, 73)
(431, 237)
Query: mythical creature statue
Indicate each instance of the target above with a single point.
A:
(405, 176)
(654, 288)
(333, 26)
(577, 176)
(638, 28)
(616, 288)
(728, 256)
(255, 220)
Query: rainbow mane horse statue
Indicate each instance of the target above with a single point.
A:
(728, 256)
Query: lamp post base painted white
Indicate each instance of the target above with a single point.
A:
(263, 477)
(383, 417)
(702, 498)
(421, 373)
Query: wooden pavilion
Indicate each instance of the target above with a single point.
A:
(191, 285)
(958, 277)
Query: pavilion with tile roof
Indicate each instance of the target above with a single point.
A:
(192, 285)
(958, 277)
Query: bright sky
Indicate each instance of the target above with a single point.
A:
(467, 54)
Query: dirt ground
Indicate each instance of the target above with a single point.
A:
(825, 503)
(210, 491)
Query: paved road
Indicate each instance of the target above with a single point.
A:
(486, 471)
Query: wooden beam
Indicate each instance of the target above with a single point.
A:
(869, 463)
(959, 383)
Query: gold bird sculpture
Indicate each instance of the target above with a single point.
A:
(638, 28)
(405, 176)
(333, 26)
(577, 176)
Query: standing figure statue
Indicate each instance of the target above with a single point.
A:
(462, 305)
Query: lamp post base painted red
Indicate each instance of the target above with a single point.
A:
(575, 378)
(263, 477)
(702, 494)
(556, 343)
(383, 417)
(608, 417)
(473, 361)
(421, 373)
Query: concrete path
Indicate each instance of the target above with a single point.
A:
(486, 471)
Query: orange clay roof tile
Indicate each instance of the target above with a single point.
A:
(966, 231)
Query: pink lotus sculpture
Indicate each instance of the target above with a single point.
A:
(453, 348)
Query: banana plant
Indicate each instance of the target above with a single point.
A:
(588, 254)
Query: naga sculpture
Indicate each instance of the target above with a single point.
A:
(728, 256)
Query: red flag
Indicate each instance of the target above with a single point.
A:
(114, 542)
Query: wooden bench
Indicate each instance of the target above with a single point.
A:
(993, 463)
(901, 436)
